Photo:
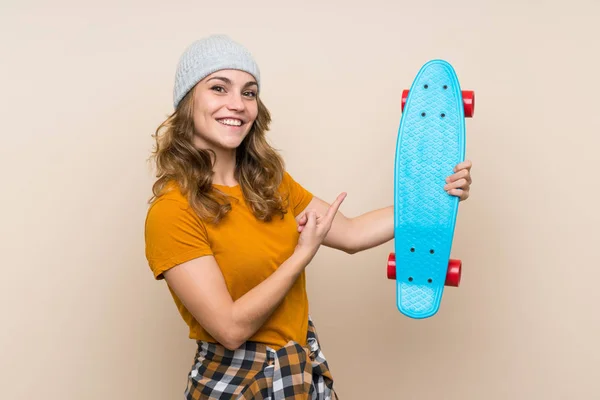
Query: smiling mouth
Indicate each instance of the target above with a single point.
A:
(230, 122)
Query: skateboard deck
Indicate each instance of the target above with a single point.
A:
(431, 142)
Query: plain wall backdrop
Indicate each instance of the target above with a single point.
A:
(85, 84)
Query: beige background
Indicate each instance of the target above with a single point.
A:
(85, 85)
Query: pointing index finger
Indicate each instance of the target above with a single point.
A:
(335, 205)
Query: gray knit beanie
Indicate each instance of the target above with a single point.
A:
(208, 55)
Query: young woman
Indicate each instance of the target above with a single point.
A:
(231, 232)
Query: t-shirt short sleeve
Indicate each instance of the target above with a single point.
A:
(174, 234)
(299, 196)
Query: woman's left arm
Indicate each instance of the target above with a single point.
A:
(376, 227)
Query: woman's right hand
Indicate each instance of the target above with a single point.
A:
(316, 227)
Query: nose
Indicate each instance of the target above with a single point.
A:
(235, 102)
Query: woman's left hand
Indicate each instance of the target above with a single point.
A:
(459, 183)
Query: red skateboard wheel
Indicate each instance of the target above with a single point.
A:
(454, 273)
(391, 266)
(404, 97)
(469, 102)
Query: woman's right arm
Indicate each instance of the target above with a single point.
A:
(200, 286)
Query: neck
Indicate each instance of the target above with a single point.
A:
(224, 168)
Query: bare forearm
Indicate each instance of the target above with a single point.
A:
(200, 285)
(363, 232)
(372, 229)
(251, 310)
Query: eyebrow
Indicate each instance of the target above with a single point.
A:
(228, 81)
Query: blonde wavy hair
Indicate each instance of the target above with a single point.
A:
(259, 168)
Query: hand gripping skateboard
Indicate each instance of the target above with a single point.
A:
(431, 142)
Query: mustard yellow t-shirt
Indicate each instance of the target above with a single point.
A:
(247, 251)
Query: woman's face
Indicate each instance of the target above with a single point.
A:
(225, 107)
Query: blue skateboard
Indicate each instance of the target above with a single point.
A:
(431, 142)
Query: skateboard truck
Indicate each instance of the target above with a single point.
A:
(453, 274)
(468, 101)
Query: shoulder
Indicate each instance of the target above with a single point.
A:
(171, 191)
(169, 207)
(291, 185)
(173, 232)
(297, 193)
(288, 181)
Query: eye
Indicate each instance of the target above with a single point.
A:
(219, 89)
(250, 93)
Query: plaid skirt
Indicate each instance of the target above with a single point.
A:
(256, 371)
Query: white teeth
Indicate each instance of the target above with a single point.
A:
(232, 122)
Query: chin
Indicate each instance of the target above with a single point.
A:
(235, 141)
(232, 144)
